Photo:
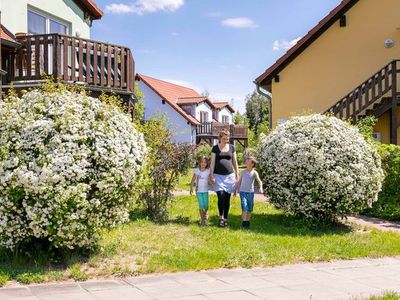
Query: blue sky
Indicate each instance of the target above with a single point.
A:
(216, 45)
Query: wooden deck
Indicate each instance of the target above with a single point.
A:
(209, 131)
(96, 65)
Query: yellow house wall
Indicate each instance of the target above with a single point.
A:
(383, 127)
(339, 60)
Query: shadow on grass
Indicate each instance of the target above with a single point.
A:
(38, 262)
(281, 224)
(270, 224)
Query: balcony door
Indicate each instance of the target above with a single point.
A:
(40, 23)
(203, 116)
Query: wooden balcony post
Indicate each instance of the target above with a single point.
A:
(393, 110)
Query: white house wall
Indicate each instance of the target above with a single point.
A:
(225, 112)
(14, 15)
(183, 132)
(204, 107)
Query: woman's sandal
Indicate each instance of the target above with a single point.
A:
(221, 223)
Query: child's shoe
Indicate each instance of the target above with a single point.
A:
(203, 223)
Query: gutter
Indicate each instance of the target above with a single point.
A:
(269, 99)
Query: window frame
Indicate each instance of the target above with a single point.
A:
(48, 18)
(225, 119)
(203, 115)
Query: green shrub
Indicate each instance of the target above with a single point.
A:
(202, 150)
(166, 161)
(68, 166)
(388, 204)
(319, 168)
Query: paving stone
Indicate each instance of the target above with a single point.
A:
(248, 282)
(196, 297)
(212, 287)
(55, 288)
(73, 296)
(14, 293)
(158, 281)
(192, 277)
(123, 293)
(172, 292)
(274, 293)
(315, 291)
(98, 285)
(237, 295)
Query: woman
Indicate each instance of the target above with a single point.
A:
(223, 174)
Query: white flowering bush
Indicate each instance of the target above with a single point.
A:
(320, 168)
(68, 167)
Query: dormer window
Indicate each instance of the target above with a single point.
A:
(40, 23)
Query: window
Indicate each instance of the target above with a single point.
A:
(203, 116)
(39, 23)
(225, 119)
(36, 23)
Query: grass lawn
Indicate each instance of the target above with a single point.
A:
(184, 180)
(144, 247)
(386, 296)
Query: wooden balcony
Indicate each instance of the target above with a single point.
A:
(209, 131)
(96, 65)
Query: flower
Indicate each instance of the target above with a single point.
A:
(319, 167)
(68, 166)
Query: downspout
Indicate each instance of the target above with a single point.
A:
(269, 99)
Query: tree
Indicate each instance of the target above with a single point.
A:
(257, 111)
(238, 119)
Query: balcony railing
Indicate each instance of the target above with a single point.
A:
(210, 129)
(72, 59)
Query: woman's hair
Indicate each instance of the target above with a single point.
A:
(223, 132)
(201, 158)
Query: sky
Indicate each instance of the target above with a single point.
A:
(218, 46)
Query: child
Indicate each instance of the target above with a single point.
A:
(245, 186)
(200, 179)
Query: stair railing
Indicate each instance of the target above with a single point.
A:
(371, 90)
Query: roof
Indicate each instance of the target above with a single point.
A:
(7, 38)
(90, 7)
(191, 100)
(306, 41)
(220, 105)
(171, 92)
(195, 100)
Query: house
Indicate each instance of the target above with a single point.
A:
(347, 65)
(194, 117)
(52, 37)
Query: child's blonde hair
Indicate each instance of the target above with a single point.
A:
(201, 158)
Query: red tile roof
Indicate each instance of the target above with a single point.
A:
(6, 35)
(220, 105)
(307, 40)
(171, 92)
(90, 7)
(191, 100)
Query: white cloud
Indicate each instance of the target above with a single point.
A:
(239, 23)
(284, 44)
(141, 7)
(174, 33)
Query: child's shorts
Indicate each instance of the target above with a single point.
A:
(202, 198)
(247, 200)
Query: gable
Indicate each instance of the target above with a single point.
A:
(265, 79)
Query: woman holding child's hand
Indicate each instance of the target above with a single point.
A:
(223, 174)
